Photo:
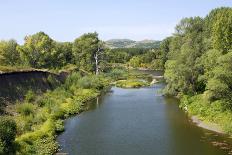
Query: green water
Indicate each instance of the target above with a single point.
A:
(138, 122)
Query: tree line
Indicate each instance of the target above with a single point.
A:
(87, 52)
(199, 58)
(41, 51)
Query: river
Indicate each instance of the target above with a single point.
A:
(138, 122)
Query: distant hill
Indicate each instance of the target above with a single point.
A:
(127, 43)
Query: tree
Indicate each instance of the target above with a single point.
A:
(221, 30)
(86, 51)
(165, 48)
(37, 50)
(8, 53)
(220, 79)
(97, 56)
(135, 61)
(62, 54)
(185, 47)
(200, 56)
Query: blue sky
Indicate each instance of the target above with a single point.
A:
(65, 20)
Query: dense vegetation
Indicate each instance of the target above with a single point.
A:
(197, 61)
(36, 120)
(40, 118)
(199, 66)
(152, 59)
(40, 51)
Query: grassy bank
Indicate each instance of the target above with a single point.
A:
(212, 112)
(40, 118)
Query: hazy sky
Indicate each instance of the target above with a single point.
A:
(64, 20)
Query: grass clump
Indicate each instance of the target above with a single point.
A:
(134, 83)
(25, 109)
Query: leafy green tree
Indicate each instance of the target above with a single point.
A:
(123, 55)
(37, 50)
(220, 79)
(222, 30)
(165, 49)
(184, 49)
(84, 49)
(135, 61)
(62, 54)
(8, 53)
(199, 58)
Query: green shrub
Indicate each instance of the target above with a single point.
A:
(46, 146)
(7, 135)
(30, 96)
(59, 125)
(71, 107)
(117, 74)
(72, 79)
(26, 148)
(25, 108)
(24, 123)
(40, 146)
(84, 95)
(93, 82)
(85, 82)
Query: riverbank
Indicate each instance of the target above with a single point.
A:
(136, 117)
(211, 116)
(207, 125)
(195, 119)
(40, 119)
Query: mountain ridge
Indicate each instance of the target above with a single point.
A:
(128, 43)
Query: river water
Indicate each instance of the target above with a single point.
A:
(138, 122)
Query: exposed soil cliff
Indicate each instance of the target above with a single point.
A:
(14, 85)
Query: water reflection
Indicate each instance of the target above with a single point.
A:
(138, 121)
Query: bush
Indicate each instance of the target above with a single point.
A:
(72, 80)
(92, 82)
(46, 146)
(71, 107)
(59, 125)
(117, 74)
(25, 108)
(30, 96)
(40, 146)
(24, 123)
(7, 135)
